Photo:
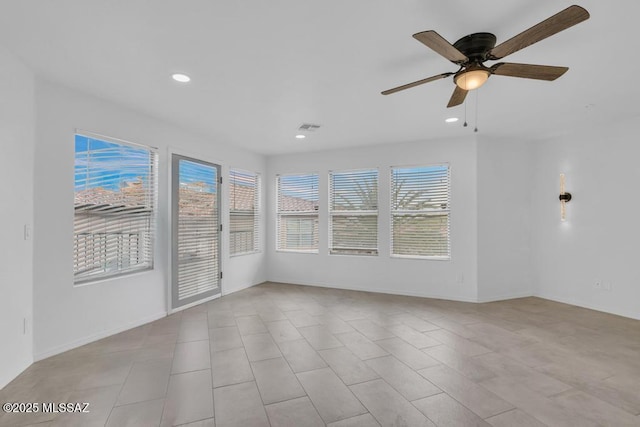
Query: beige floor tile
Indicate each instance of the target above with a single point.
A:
(334, 324)
(416, 323)
(319, 337)
(507, 367)
(191, 356)
(300, 318)
(347, 366)
(100, 400)
(361, 346)
(333, 400)
(458, 343)
(193, 331)
(146, 381)
(248, 325)
(295, 412)
(276, 381)
(364, 420)
(371, 330)
(239, 405)
(447, 412)
(388, 406)
(543, 408)
(143, 414)
(220, 319)
(402, 378)
(301, 356)
(466, 366)
(189, 398)
(478, 399)
(260, 347)
(413, 337)
(283, 330)
(210, 422)
(224, 338)
(407, 353)
(230, 367)
(595, 409)
(514, 418)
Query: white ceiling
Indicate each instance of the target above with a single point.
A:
(261, 68)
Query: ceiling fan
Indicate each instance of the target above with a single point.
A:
(470, 53)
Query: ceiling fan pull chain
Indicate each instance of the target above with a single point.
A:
(465, 114)
(477, 95)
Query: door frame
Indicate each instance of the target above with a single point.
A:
(197, 157)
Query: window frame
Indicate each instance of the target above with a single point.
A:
(257, 212)
(315, 214)
(152, 228)
(435, 212)
(364, 213)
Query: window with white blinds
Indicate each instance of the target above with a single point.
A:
(420, 198)
(244, 215)
(115, 196)
(297, 216)
(353, 212)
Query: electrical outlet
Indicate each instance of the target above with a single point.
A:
(606, 286)
(598, 285)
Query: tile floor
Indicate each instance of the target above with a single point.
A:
(285, 355)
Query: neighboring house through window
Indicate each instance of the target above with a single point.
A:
(244, 215)
(115, 197)
(297, 216)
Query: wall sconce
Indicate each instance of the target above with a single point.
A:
(564, 198)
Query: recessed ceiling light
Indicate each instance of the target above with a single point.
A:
(182, 78)
(301, 136)
(451, 120)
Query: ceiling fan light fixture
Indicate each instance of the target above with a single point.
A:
(472, 79)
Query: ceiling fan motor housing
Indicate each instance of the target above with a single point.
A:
(476, 46)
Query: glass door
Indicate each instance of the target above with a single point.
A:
(195, 230)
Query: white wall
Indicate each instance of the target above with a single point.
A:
(599, 240)
(454, 279)
(504, 223)
(67, 316)
(17, 118)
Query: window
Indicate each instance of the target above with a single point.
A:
(297, 213)
(244, 195)
(353, 211)
(420, 212)
(114, 202)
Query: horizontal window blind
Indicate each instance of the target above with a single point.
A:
(114, 201)
(244, 215)
(353, 211)
(420, 207)
(297, 216)
(198, 229)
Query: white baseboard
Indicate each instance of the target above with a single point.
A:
(6, 379)
(237, 289)
(572, 301)
(399, 292)
(94, 337)
(503, 297)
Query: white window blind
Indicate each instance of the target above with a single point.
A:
(198, 242)
(297, 217)
(420, 211)
(353, 211)
(115, 194)
(244, 195)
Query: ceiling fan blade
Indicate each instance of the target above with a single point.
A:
(528, 71)
(458, 97)
(437, 43)
(418, 83)
(560, 21)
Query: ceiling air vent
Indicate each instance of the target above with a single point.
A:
(308, 127)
